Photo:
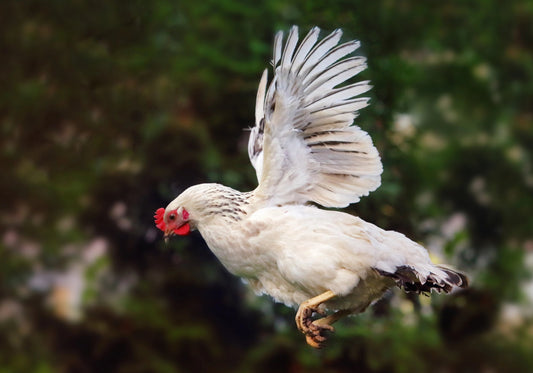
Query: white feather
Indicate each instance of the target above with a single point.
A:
(292, 40)
(260, 99)
(278, 40)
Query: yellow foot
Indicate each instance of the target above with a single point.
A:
(314, 330)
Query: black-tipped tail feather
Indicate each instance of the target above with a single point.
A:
(443, 279)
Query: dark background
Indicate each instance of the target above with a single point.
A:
(109, 109)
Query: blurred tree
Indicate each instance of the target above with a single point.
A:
(109, 109)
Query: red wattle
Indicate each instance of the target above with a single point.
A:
(185, 229)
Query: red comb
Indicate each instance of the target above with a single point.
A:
(158, 218)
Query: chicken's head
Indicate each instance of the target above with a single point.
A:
(193, 209)
(173, 221)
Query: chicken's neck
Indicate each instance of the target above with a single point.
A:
(216, 203)
(222, 214)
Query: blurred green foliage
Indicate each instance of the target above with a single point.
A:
(109, 109)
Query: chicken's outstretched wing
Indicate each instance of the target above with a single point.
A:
(304, 146)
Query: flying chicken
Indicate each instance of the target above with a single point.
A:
(306, 152)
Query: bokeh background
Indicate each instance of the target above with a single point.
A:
(108, 109)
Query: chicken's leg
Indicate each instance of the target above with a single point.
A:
(314, 330)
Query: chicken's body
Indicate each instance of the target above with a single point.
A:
(304, 149)
(295, 252)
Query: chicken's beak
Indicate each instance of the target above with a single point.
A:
(168, 234)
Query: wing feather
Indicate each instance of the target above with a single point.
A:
(278, 40)
(255, 141)
(292, 40)
(260, 99)
(304, 146)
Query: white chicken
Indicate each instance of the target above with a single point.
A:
(305, 149)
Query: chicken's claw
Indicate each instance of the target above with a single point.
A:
(313, 329)
(315, 336)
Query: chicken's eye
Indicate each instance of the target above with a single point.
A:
(172, 216)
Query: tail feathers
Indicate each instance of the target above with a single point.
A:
(439, 278)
